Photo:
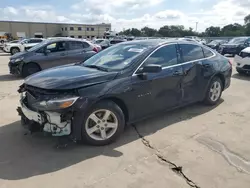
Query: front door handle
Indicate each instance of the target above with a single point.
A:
(178, 73)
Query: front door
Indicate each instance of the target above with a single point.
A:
(54, 54)
(159, 91)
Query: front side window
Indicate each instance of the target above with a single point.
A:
(56, 47)
(191, 52)
(116, 57)
(165, 56)
(75, 45)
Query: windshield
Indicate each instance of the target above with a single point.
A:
(98, 41)
(215, 42)
(237, 41)
(116, 57)
(38, 46)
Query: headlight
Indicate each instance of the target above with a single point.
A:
(55, 104)
(18, 59)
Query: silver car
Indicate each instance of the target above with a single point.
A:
(50, 53)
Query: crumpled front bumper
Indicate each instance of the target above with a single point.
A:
(14, 68)
(51, 122)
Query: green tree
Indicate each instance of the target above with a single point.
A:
(135, 32)
(233, 30)
(149, 32)
(213, 31)
(247, 22)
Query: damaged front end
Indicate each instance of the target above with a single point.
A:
(47, 110)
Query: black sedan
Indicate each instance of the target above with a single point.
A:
(234, 46)
(130, 81)
(215, 44)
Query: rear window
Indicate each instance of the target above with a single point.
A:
(74, 45)
(207, 52)
(191, 52)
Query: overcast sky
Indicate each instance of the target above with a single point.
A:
(124, 14)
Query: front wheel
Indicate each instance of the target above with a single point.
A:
(29, 69)
(14, 51)
(103, 124)
(214, 91)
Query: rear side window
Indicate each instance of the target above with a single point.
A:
(85, 45)
(191, 52)
(207, 52)
(165, 56)
(75, 45)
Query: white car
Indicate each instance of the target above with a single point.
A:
(243, 61)
(21, 46)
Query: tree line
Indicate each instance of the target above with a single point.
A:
(231, 30)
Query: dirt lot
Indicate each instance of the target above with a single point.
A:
(211, 144)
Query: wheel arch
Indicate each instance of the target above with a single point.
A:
(222, 78)
(118, 102)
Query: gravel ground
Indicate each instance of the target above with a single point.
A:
(211, 144)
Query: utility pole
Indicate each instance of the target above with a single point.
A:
(196, 26)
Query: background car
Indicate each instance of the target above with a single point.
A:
(50, 53)
(115, 41)
(234, 46)
(132, 80)
(215, 44)
(21, 46)
(104, 43)
(243, 61)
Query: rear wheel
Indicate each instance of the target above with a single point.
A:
(30, 69)
(214, 91)
(14, 51)
(103, 124)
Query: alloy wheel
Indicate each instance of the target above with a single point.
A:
(101, 124)
(215, 91)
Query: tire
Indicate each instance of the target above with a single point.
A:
(214, 91)
(29, 69)
(96, 122)
(14, 50)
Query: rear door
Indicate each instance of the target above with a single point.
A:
(192, 58)
(78, 51)
(159, 91)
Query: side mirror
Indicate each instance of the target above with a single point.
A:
(46, 52)
(151, 68)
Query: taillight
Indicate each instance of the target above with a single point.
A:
(95, 49)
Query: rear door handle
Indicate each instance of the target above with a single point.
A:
(207, 65)
(178, 73)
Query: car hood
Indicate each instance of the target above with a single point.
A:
(232, 45)
(246, 50)
(68, 77)
(19, 55)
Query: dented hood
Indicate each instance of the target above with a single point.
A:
(69, 77)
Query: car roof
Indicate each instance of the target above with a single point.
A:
(63, 39)
(157, 42)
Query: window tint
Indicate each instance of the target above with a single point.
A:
(56, 47)
(75, 45)
(191, 52)
(85, 44)
(165, 56)
(207, 52)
